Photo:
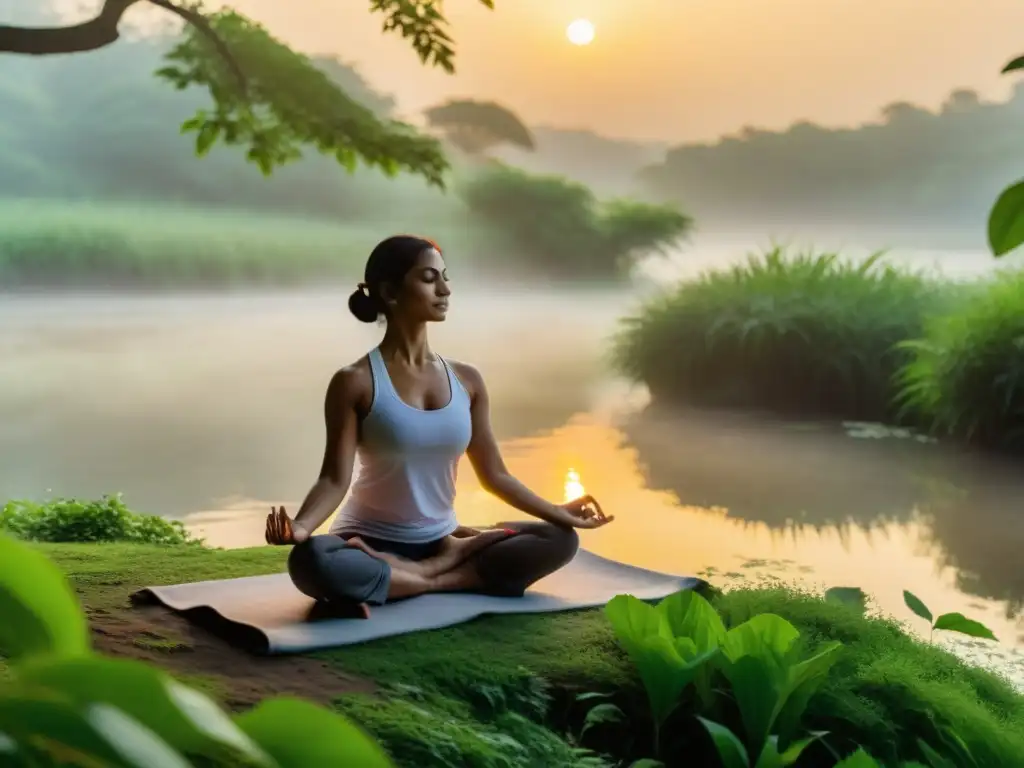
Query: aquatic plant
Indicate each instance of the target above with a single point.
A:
(806, 333)
(953, 622)
(105, 519)
(964, 375)
(64, 704)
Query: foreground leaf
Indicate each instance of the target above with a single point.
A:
(854, 597)
(1006, 221)
(771, 757)
(1014, 65)
(40, 612)
(730, 749)
(183, 717)
(957, 622)
(859, 759)
(299, 734)
(914, 603)
(802, 682)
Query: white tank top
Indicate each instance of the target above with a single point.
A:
(408, 462)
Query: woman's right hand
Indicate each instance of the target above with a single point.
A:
(585, 512)
(281, 529)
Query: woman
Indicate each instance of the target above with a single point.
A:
(410, 416)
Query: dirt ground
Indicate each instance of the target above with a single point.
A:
(238, 679)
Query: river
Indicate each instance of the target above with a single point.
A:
(208, 409)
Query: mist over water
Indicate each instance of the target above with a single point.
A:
(208, 408)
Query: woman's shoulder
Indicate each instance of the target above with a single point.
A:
(351, 382)
(469, 375)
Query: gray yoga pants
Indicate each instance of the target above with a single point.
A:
(327, 569)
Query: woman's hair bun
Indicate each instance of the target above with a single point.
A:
(362, 305)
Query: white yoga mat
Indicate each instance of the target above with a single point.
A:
(267, 614)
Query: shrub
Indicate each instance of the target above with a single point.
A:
(71, 520)
(561, 227)
(808, 334)
(965, 374)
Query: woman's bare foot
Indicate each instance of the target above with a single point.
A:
(453, 552)
(394, 561)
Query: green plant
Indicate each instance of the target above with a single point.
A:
(1006, 219)
(64, 704)
(106, 519)
(964, 373)
(809, 333)
(560, 226)
(952, 622)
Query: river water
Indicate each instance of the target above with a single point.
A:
(208, 408)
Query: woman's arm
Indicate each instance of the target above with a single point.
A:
(342, 422)
(485, 456)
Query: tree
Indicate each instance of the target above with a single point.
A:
(267, 97)
(1006, 221)
(477, 126)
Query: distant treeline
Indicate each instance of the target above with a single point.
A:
(914, 169)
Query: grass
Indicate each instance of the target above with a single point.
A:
(499, 692)
(86, 244)
(807, 334)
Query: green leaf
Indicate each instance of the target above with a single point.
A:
(770, 756)
(299, 734)
(647, 762)
(854, 597)
(89, 739)
(730, 749)
(1006, 220)
(859, 759)
(957, 622)
(183, 717)
(592, 695)
(1014, 65)
(40, 612)
(206, 137)
(935, 760)
(632, 619)
(914, 603)
(802, 682)
(602, 714)
(690, 615)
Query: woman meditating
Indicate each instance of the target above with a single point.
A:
(410, 415)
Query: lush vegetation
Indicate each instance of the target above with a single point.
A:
(928, 173)
(103, 520)
(817, 335)
(718, 673)
(561, 227)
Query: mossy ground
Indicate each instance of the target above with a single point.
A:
(498, 691)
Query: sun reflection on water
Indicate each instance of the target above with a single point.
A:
(573, 486)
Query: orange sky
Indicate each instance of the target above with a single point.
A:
(680, 69)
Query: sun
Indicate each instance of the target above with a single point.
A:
(580, 32)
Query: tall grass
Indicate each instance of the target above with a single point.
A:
(966, 373)
(808, 334)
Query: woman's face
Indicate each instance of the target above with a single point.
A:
(425, 290)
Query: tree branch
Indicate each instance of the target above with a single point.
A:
(201, 23)
(87, 36)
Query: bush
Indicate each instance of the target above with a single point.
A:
(810, 334)
(70, 520)
(966, 374)
(561, 227)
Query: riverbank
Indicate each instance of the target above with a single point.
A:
(502, 691)
(814, 335)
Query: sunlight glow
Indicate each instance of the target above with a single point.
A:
(573, 486)
(580, 32)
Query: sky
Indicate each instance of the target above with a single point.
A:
(678, 70)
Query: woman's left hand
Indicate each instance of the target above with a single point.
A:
(585, 512)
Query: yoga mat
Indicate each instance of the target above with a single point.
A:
(268, 615)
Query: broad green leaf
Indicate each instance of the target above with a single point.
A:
(602, 714)
(803, 681)
(730, 749)
(647, 762)
(1014, 65)
(40, 612)
(206, 137)
(770, 756)
(914, 603)
(855, 597)
(136, 743)
(1006, 220)
(690, 615)
(664, 673)
(183, 717)
(859, 759)
(756, 689)
(299, 734)
(935, 760)
(765, 636)
(632, 619)
(957, 622)
(58, 729)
